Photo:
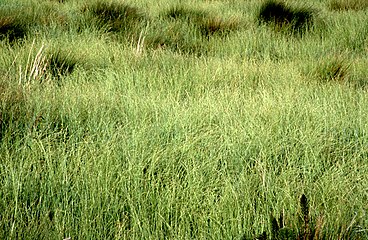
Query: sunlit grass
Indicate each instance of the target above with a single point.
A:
(355, 5)
(175, 133)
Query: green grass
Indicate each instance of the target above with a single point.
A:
(208, 25)
(114, 16)
(355, 5)
(61, 64)
(160, 131)
(283, 16)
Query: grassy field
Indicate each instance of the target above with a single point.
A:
(193, 119)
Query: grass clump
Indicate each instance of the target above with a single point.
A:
(207, 24)
(344, 5)
(217, 26)
(187, 30)
(12, 29)
(334, 69)
(176, 37)
(183, 13)
(20, 20)
(44, 65)
(115, 16)
(283, 16)
(62, 63)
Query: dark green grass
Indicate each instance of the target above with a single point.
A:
(62, 63)
(283, 16)
(207, 23)
(218, 26)
(12, 29)
(26, 20)
(181, 12)
(115, 16)
(187, 30)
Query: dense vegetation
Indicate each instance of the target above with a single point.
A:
(221, 119)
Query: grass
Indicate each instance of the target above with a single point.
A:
(166, 132)
(333, 70)
(307, 229)
(61, 64)
(208, 24)
(19, 20)
(115, 16)
(12, 112)
(187, 30)
(282, 15)
(355, 5)
(11, 29)
(177, 37)
(185, 13)
(215, 25)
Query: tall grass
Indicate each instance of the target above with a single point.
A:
(189, 137)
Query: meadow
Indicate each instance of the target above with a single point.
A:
(198, 119)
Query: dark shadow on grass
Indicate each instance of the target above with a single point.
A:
(115, 17)
(217, 26)
(12, 29)
(307, 230)
(185, 30)
(183, 13)
(282, 16)
(61, 64)
(207, 24)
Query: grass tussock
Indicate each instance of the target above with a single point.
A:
(335, 69)
(115, 16)
(45, 65)
(12, 29)
(177, 38)
(181, 12)
(331, 69)
(218, 26)
(284, 16)
(344, 5)
(25, 19)
(206, 23)
(186, 30)
(62, 63)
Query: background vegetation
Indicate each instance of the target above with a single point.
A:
(200, 119)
